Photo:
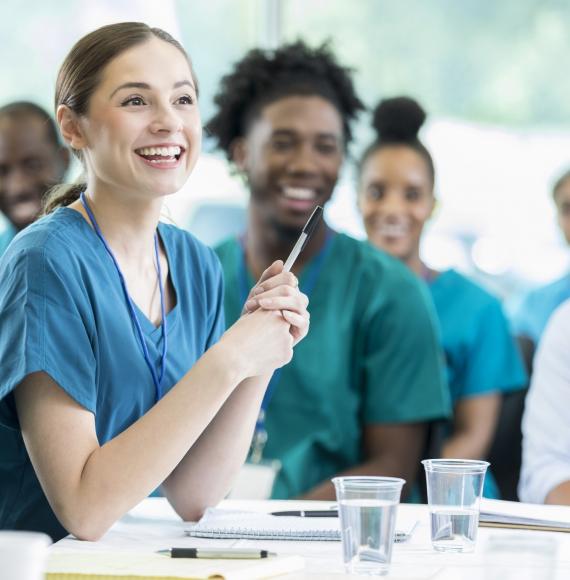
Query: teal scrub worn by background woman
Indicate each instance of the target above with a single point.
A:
(480, 352)
(63, 312)
(371, 357)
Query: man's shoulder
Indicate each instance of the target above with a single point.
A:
(361, 254)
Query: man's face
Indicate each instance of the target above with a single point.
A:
(30, 163)
(292, 155)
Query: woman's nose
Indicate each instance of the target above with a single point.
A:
(166, 120)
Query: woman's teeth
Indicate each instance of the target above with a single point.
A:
(393, 230)
(173, 151)
(301, 193)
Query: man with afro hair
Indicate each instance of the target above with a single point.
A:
(363, 386)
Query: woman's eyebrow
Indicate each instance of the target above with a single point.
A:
(146, 86)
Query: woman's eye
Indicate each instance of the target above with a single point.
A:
(412, 194)
(185, 100)
(133, 102)
(375, 192)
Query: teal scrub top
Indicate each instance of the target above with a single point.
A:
(481, 355)
(371, 356)
(63, 312)
(6, 237)
(531, 316)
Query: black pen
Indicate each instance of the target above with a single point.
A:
(303, 238)
(308, 513)
(217, 553)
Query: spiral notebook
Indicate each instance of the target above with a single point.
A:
(229, 524)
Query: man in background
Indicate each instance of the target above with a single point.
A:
(31, 161)
(530, 318)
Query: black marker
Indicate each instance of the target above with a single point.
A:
(308, 513)
(217, 553)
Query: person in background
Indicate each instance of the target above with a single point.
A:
(545, 474)
(396, 199)
(116, 375)
(532, 314)
(362, 388)
(31, 161)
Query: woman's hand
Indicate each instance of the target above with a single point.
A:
(279, 291)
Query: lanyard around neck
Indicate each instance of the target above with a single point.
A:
(157, 379)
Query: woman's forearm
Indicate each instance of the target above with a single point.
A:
(206, 473)
(91, 486)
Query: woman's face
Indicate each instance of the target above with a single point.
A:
(396, 199)
(292, 156)
(562, 200)
(142, 132)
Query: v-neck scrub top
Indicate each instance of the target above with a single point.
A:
(63, 312)
(371, 357)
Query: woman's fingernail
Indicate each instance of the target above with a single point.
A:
(250, 304)
(266, 302)
(258, 290)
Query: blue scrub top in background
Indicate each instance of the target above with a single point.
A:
(533, 312)
(6, 236)
(481, 354)
(63, 312)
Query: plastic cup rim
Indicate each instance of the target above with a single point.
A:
(21, 537)
(456, 465)
(369, 482)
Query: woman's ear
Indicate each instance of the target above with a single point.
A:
(70, 127)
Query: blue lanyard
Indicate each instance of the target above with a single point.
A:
(157, 380)
(307, 287)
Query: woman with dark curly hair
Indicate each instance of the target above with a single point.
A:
(362, 387)
(396, 199)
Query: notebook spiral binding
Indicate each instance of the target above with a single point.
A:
(252, 534)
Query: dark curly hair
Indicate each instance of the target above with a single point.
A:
(262, 77)
(397, 121)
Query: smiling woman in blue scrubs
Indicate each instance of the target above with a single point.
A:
(116, 376)
(396, 199)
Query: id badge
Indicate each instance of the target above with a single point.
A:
(255, 480)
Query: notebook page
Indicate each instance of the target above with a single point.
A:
(220, 523)
(122, 565)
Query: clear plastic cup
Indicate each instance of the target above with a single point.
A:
(454, 489)
(23, 555)
(367, 509)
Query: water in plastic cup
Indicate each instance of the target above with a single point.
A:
(367, 511)
(454, 489)
(23, 555)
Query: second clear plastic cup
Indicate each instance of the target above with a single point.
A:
(367, 509)
(454, 489)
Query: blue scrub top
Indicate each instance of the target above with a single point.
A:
(6, 236)
(533, 313)
(481, 355)
(63, 312)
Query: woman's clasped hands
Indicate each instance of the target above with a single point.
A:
(274, 319)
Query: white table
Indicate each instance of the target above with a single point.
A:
(153, 525)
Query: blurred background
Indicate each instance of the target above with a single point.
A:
(488, 73)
